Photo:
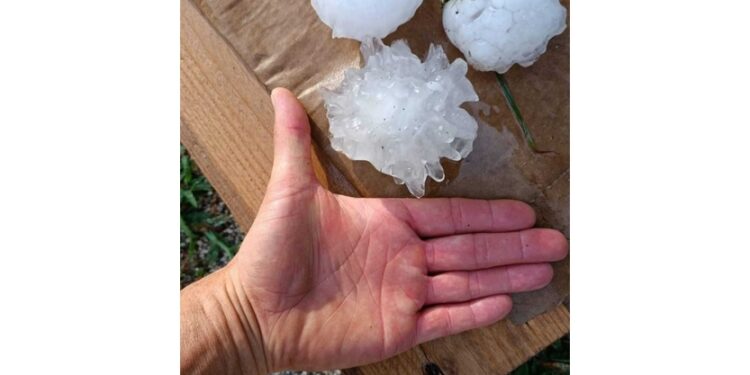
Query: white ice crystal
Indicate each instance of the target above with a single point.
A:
(363, 19)
(403, 115)
(495, 34)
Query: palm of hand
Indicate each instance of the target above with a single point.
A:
(336, 281)
(354, 279)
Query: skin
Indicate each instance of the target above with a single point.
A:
(327, 281)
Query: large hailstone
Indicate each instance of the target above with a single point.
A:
(403, 115)
(495, 34)
(363, 19)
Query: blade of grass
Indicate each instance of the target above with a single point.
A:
(198, 218)
(218, 221)
(190, 198)
(216, 241)
(200, 184)
(185, 228)
(517, 113)
(185, 169)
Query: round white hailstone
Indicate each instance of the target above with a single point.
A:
(403, 115)
(495, 34)
(363, 19)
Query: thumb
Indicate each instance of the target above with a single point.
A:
(292, 167)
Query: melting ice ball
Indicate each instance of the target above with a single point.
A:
(495, 34)
(403, 115)
(362, 19)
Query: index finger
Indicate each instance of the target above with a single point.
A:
(434, 217)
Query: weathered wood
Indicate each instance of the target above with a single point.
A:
(227, 120)
(285, 44)
(227, 127)
(226, 124)
(499, 348)
(494, 350)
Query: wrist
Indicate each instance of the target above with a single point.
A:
(219, 330)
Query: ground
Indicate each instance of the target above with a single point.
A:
(209, 238)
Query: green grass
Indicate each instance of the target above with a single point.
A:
(209, 238)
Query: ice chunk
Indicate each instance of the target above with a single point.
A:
(362, 19)
(495, 34)
(403, 115)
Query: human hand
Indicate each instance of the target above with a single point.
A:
(328, 281)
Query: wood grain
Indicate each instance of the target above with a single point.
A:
(227, 120)
(285, 44)
(226, 125)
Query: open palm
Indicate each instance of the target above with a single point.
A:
(336, 281)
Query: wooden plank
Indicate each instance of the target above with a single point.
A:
(227, 118)
(226, 125)
(499, 348)
(298, 53)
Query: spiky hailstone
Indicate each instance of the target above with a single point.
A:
(403, 115)
(363, 19)
(495, 34)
